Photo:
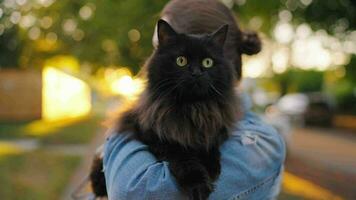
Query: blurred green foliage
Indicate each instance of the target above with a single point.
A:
(345, 97)
(102, 39)
(350, 68)
(335, 16)
(298, 80)
(118, 33)
(9, 48)
(265, 14)
(345, 89)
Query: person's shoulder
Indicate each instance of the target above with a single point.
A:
(253, 136)
(252, 159)
(132, 172)
(264, 135)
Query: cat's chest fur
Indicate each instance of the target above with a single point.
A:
(198, 124)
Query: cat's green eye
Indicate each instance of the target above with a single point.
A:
(207, 62)
(181, 61)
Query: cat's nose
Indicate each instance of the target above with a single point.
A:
(197, 73)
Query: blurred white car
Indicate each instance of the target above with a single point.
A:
(307, 108)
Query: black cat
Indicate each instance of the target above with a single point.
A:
(186, 111)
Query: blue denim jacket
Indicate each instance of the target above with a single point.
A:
(251, 165)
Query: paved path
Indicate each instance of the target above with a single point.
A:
(26, 145)
(326, 157)
(83, 169)
(334, 148)
(22, 145)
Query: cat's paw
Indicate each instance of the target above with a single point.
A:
(200, 191)
(198, 183)
(190, 173)
(211, 161)
(214, 170)
(193, 178)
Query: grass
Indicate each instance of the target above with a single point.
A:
(78, 132)
(36, 175)
(42, 174)
(10, 130)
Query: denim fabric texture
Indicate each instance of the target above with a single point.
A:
(251, 165)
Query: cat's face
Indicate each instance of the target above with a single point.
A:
(188, 67)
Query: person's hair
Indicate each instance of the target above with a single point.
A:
(204, 16)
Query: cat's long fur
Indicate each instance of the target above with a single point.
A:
(185, 129)
(193, 125)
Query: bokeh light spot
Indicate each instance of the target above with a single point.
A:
(134, 35)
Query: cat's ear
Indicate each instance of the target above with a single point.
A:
(219, 36)
(164, 32)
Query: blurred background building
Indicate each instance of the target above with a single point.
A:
(64, 65)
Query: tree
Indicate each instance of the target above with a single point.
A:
(102, 34)
(9, 48)
(119, 32)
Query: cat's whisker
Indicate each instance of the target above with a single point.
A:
(216, 90)
(160, 86)
(222, 83)
(165, 92)
(163, 83)
(175, 87)
(179, 94)
(168, 91)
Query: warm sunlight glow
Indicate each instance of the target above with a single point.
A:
(301, 47)
(65, 63)
(310, 54)
(280, 60)
(7, 148)
(127, 86)
(44, 127)
(120, 81)
(283, 32)
(295, 185)
(63, 96)
(253, 68)
(257, 66)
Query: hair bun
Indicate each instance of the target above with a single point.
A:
(250, 44)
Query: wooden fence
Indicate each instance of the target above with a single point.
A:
(20, 95)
